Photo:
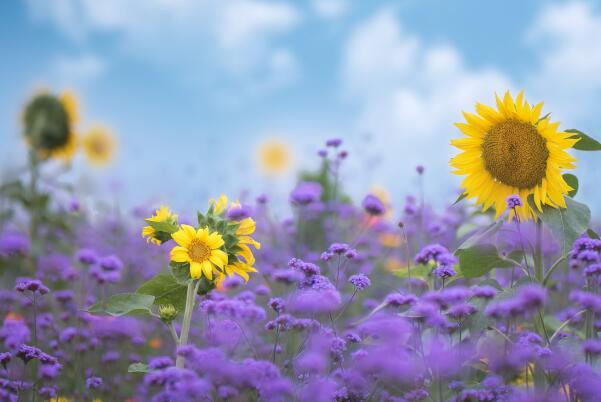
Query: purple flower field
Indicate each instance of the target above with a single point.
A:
(493, 298)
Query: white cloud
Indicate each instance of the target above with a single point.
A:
(78, 69)
(568, 37)
(330, 8)
(187, 35)
(408, 95)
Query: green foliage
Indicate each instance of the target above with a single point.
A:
(592, 234)
(481, 235)
(567, 224)
(480, 259)
(123, 304)
(138, 368)
(572, 181)
(461, 197)
(417, 271)
(180, 272)
(166, 290)
(586, 142)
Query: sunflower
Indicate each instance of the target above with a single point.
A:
(274, 157)
(237, 268)
(49, 125)
(513, 150)
(245, 229)
(201, 249)
(98, 145)
(163, 214)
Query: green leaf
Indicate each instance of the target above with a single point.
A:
(461, 197)
(572, 181)
(567, 224)
(417, 271)
(479, 260)
(162, 226)
(166, 290)
(592, 234)
(481, 235)
(586, 142)
(180, 272)
(138, 368)
(123, 304)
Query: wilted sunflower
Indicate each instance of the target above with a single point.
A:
(513, 150)
(49, 125)
(274, 157)
(98, 145)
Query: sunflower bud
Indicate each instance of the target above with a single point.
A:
(167, 313)
(46, 123)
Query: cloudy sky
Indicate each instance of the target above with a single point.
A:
(191, 87)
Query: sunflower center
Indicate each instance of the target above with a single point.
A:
(515, 154)
(199, 251)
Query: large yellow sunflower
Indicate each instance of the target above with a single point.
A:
(201, 249)
(513, 150)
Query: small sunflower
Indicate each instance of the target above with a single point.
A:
(163, 214)
(98, 145)
(274, 157)
(513, 150)
(201, 249)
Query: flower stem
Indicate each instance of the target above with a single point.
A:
(183, 339)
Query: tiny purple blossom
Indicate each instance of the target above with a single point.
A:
(514, 201)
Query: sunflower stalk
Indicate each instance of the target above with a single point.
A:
(190, 301)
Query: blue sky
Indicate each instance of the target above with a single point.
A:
(192, 87)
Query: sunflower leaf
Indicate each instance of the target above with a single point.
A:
(567, 224)
(481, 235)
(166, 290)
(480, 259)
(572, 181)
(123, 304)
(586, 142)
(461, 197)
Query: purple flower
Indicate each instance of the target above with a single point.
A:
(305, 193)
(338, 248)
(419, 169)
(27, 353)
(32, 285)
(484, 292)
(436, 253)
(160, 362)
(93, 382)
(277, 304)
(5, 358)
(513, 201)
(322, 153)
(360, 282)
(444, 271)
(334, 142)
(237, 212)
(87, 256)
(398, 300)
(110, 263)
(13, 243)
(372, 205)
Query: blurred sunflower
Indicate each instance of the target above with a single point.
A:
(274, 157)
(49, 125)
(98, 145)
(513, 150)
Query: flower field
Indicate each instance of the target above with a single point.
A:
(496, 297)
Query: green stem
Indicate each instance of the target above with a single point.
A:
(538, 252)
(183, 339)
(34, 213)
(550, 271)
